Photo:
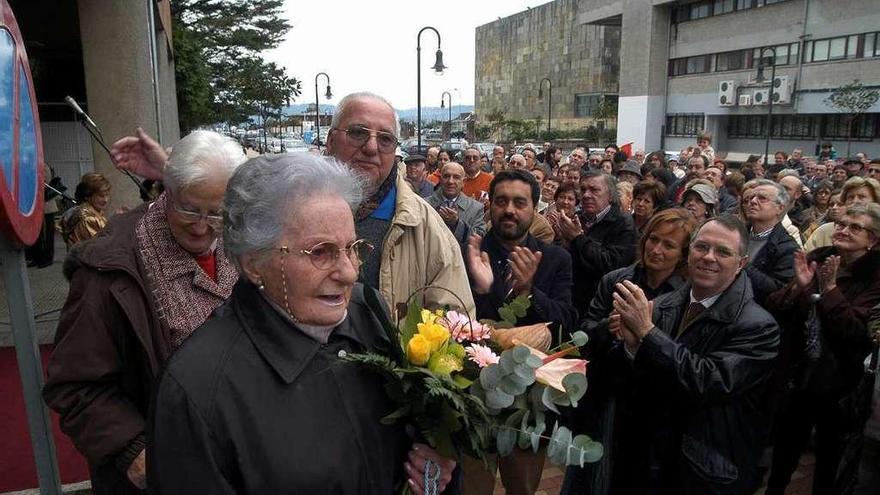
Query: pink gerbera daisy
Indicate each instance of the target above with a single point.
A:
(462, 328)
(482, 355)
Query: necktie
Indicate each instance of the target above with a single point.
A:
(694, 310)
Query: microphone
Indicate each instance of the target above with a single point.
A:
(79, 111)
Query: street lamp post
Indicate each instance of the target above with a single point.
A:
(449, 120)
(760, 78)
(549, 97)
(327, 95)
(438, 68)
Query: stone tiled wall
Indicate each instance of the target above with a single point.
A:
(513, 55)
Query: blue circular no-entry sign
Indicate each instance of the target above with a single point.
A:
(21, 145)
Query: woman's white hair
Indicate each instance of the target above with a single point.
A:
(266, 191)
(200, 155)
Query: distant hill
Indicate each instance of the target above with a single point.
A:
(408, 114)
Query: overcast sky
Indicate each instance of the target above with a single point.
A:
(371, 46)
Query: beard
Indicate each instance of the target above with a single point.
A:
(508, 232)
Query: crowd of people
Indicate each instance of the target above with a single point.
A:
(730, 311)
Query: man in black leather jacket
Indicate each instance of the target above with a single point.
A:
(699, 358)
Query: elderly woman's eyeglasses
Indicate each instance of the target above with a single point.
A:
(324, 255)
(359, 135)
(214, 219)
(854, 228)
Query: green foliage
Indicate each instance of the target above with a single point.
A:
(219, 71)
(513, 310)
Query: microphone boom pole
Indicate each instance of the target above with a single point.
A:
(88, 123)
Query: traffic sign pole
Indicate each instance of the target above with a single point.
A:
(27, 353)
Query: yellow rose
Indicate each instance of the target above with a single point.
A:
(418, 350)
(434, 333)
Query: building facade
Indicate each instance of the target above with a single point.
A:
(515, 54)
(685, 66)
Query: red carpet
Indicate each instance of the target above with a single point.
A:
(17, 469)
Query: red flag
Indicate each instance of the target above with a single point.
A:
(628, 149)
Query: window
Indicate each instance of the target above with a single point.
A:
(784, 126)
(865, 127)
(743, 4)
(700, 10)
(696, 65)
(852, 46)
(723, 6)
(689, 65)
(820, 50)
(585, 105)
(872, 46)
(686, 124)
(837, 49)
(731, 61)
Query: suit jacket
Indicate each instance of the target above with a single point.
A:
(551, 287)
(773, 266)
(470, 215)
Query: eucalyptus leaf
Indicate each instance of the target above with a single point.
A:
(579, 338)
(548, 399)
(534, 361)
(587, 449)
(526, 372)
(560, 442)
(525, 381)
(509, 386)
(505, 441)
(520, 354)
(519, 310)
(490, 377)
(507, 362)
(575, 385)
(496, 399)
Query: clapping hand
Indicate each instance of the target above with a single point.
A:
(636, 311)
(449, 215)
(569, 227)
(804, 271)
(828, 273)
(523, 264)
(478, 266)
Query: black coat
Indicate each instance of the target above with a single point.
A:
(551, 287)
(773, 267)
(843, 314)
(606, 246)
(700, 425)
(250, 404)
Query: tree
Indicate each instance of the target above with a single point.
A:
(606, 109)
(217, 45)
(852, 99)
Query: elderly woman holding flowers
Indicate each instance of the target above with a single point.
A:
(259, 400)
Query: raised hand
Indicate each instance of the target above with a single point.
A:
(634, 307)
(478, 266)
(804, 271)
(415, 468)
(828, 273)
(523, 266)
(569, 227)
(140, 154)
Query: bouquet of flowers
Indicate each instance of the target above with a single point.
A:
(477, 387)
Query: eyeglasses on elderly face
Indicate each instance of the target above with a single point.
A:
(325, 255)
(854, 228)
(359, 135)
(214, 219)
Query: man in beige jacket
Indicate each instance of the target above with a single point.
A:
(414, 248)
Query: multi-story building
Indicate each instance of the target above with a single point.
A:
(691, 65)
(516, 53)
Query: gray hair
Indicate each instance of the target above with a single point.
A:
(200, 155)
(610, 183)
(268, 190)
(789, 172)
(781, 194)
(342, 107)
(872, 211)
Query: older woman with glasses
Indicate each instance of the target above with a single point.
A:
(603, 413)
(825, 312)
(137, 291)
(258, 401)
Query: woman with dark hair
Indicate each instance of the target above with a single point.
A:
(648, 197)
(85, 220)
(565, 202)
(815, 213)
(604, 413)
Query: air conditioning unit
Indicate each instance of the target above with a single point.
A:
(782, 87)
(761, 96)
(745, 100)
(727, 93)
